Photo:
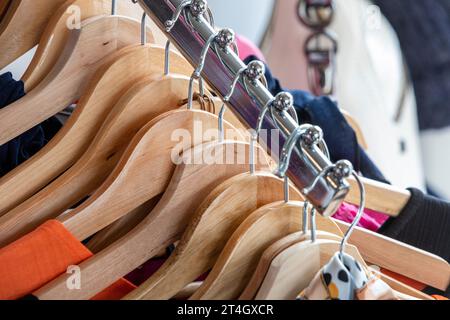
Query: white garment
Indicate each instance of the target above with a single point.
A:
(369, 84)
(370, 81)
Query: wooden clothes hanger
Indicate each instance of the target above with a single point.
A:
(83, 54)
(160, 228)
(130, 114)
(119, 228)
(399, 257)
(25, 21)
(57, 30)
(149, 154)
(294, 268)
(222, 211)
(238, 259)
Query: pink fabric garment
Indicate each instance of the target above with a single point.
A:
(248, 48)
(371, 220)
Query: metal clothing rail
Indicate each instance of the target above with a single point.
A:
(189, 35)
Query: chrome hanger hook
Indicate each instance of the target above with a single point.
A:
(255, 134)
(197, 72)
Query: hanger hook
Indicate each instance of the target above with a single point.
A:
(197, 72)
(305, 216)
(362, 205)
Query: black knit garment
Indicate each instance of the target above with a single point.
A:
(423, 28)
(424, 223)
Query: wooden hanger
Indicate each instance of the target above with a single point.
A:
(148, 155)
(380, 197)
(159, 229)
(271, 252)
(82, 55)
(400, 258)
(294, 268)
(131, 113)
(121, 227)
(107, 85)
(219, 215)
(24, 21)
(56, 32)
(237, 261)
(4, 4)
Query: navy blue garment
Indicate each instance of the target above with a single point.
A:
(338, 134)
(29, 143)
(423, 29)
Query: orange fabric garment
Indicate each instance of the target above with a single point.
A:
(39, 257)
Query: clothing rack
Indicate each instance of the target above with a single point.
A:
(221, 67)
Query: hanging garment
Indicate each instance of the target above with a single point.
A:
(344, 279)
(370, 220)
(29, 143)
(423, 223)
(423, 28)
(42, 255)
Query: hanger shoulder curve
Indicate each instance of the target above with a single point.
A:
(106, 205)
(222, 211)
(105, 145)
(380, 197)
(270, 253)
(67, 17)
(83, 54)
(24, 23)
(122, 256)
(293, 269)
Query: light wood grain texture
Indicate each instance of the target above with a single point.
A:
(271, 252)
(293, 269)
(82, 55)
(268, 255)
(188, 291)
(380, 197)
(400, 257)
(109, 83)
(22, 27)
(57, 30)
(140, 104)
(219, 215)
(149, 155)
(239, 258)
(143, 176)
